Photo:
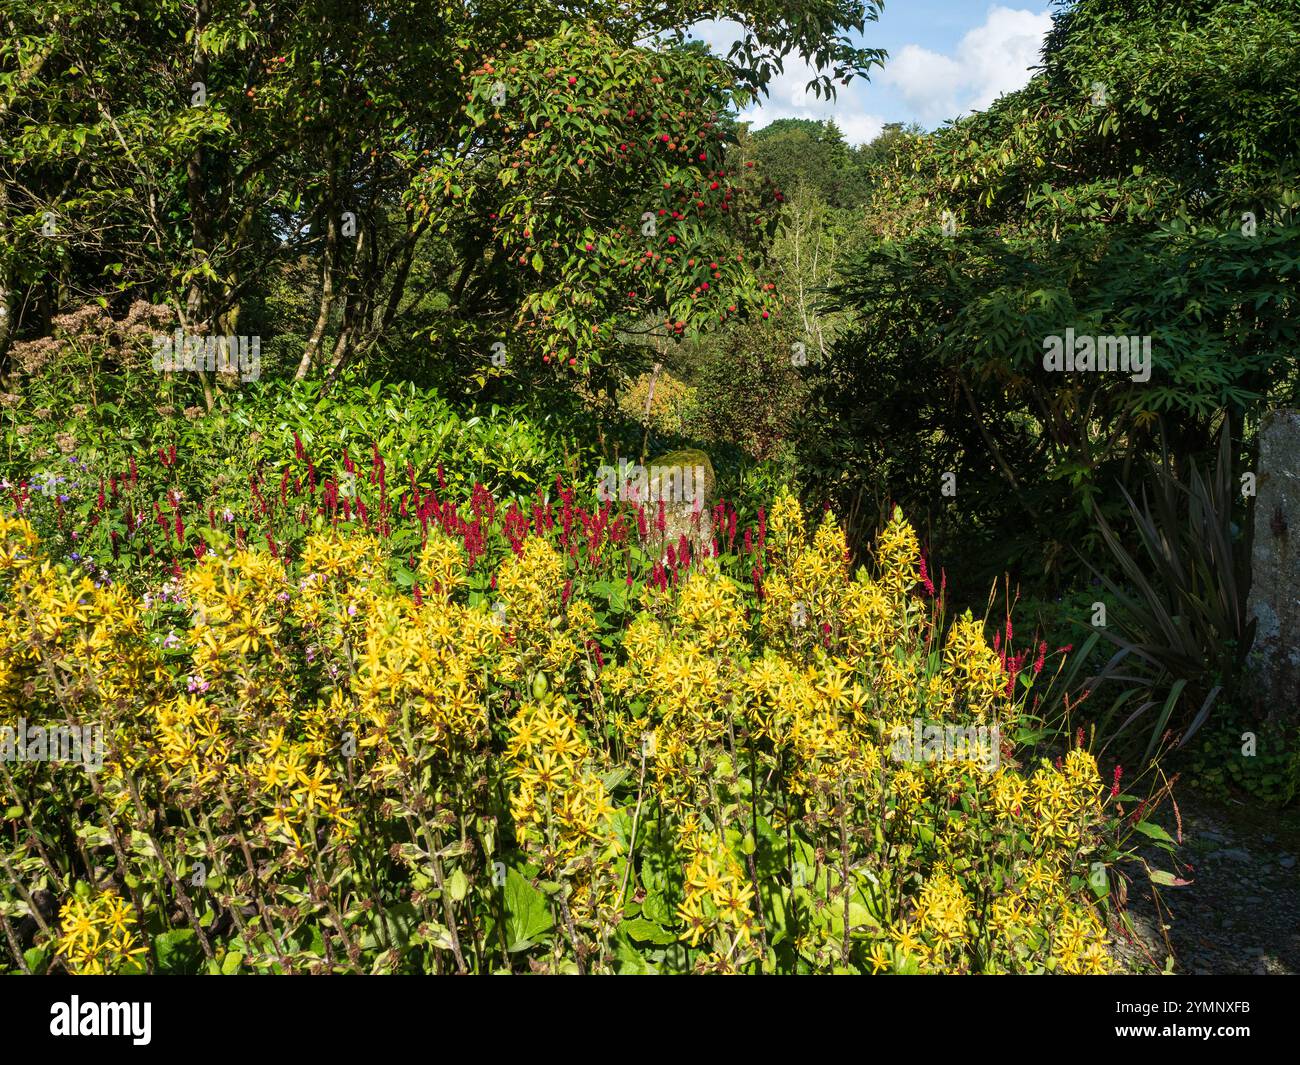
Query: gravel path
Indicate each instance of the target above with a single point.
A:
(1241, 912)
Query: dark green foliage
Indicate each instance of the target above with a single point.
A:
(1109, 196)
(798, 153)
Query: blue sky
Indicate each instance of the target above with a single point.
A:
(946, 58)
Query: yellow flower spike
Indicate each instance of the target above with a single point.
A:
(898, 555)
(443, 564)
(786, 535)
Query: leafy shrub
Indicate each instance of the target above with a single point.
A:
(1221, 762)
(100, 484)
(747, 390)
(669, 404)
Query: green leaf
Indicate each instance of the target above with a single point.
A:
(644, 931)
(628, 959)
(528, 916)
(400, 923)
(178, 952)
(1164, 879)
(657, 908)
(1154, 831)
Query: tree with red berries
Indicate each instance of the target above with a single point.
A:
(466, 175)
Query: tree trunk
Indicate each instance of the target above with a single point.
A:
(343, 345)
(6, 293)
(328, 267)
(195, 179)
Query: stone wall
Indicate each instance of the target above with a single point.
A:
(1275, 566)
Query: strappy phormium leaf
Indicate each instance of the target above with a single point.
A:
(1180, 628)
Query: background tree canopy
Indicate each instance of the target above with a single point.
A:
(1142, 184)
(461, 172)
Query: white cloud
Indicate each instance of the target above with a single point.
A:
(788, 96)
(718, 34)
(916, 83)
(992, 59)
(928, 81)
